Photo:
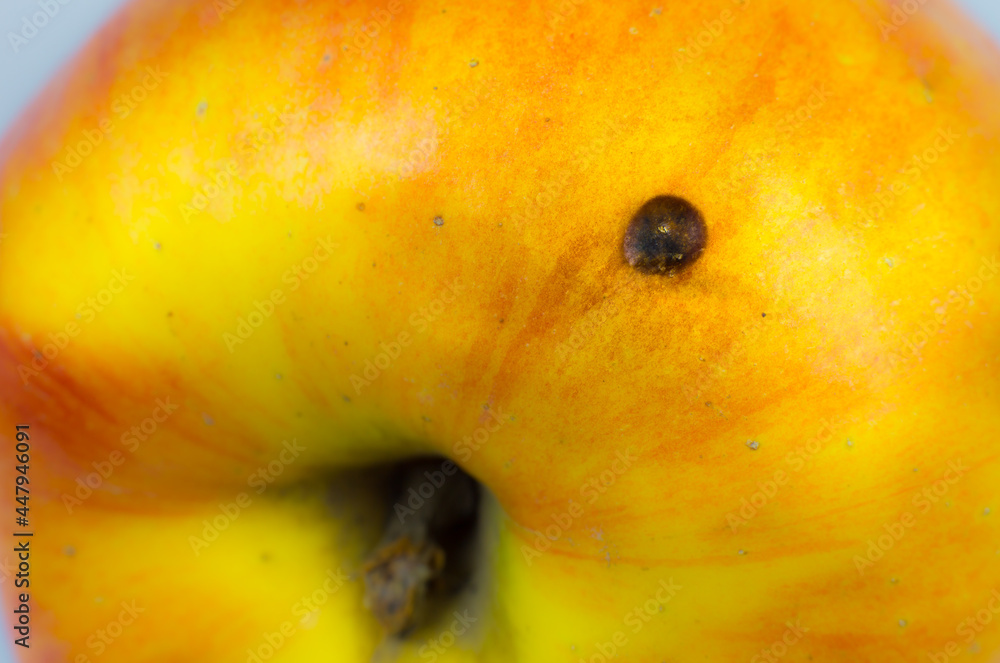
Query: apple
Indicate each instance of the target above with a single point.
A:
(703, 296)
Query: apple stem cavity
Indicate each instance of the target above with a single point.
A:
(424, 553)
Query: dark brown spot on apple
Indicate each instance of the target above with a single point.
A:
(666, 235)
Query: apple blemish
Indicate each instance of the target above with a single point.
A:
(666, 235)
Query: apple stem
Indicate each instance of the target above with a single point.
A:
(408, 563)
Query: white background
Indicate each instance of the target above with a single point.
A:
(24, 73)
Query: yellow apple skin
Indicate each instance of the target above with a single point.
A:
(478, 165)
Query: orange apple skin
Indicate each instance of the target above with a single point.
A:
(464, 177)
